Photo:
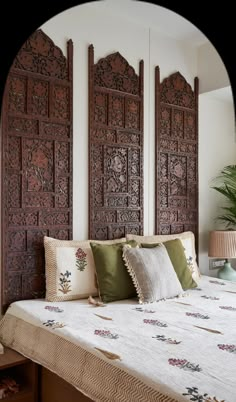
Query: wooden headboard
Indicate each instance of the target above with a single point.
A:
(115, 147)
(176, 115)
(36, 194)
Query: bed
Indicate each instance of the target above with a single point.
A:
(172, 350)
(185, 348)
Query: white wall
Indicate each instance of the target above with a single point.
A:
(86, 25)
(211, 69)
(217, 149)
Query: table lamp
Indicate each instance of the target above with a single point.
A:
(222, 244)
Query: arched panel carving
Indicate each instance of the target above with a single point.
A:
(176, 155)
(115, 147)
(36, 163)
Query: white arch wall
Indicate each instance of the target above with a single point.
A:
(109, 33)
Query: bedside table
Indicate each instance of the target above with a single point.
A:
(24, 372)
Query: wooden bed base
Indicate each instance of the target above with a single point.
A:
(52, 388)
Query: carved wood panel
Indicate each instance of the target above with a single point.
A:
(115, 147)
(176, 155)
(36, 163)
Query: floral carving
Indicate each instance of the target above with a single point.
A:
(38, 182)
(176, 139)
(40, 55)
(114, 72)
(115, 146)
(176, 91)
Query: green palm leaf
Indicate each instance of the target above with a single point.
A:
(225, 184)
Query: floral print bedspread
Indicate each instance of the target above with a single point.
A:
(185, 347)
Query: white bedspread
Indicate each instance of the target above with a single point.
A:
(182, 348)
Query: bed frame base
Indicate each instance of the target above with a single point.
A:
(52, 388)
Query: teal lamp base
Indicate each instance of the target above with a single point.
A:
(227, 273)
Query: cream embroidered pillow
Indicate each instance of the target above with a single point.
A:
(188, 241)
(70, 268)
(152, 273)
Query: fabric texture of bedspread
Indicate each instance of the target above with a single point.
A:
(180, 349)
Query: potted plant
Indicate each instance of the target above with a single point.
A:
(222, 244)
(226, 185)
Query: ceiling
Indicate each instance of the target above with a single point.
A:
(155, 17)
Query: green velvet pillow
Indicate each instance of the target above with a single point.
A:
(114, 281)
(177, 256)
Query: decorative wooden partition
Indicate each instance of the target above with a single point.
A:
(115, 147)
(36, 163)
(176, 155)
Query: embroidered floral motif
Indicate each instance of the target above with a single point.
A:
(228, 348)
(210, 297)
(198, 315)
(217, 282)
(53, 308)
(190, 263)
(230, 308)
(81, 262)
(65, 282)
(143, 310)
(155, 322)
(105, 334)
(167, 340)
(52, 324)
(199, 397)
(184, 364)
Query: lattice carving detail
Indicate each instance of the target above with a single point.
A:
(176, 155)
(175, 90)
(37, 163)
(115, 147)
(40, 55)
(114, 72)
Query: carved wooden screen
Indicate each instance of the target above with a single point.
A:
(176, 155)
(37, 163)
(115, 147)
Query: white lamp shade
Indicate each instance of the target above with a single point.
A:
(222, 244)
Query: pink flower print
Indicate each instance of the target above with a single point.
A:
(54, 309)
(155, 322)
(105, 334)
(228, 348)
(177, 362)
(81, 262)
(198, 315)
(230, 308)
(184, 364)
(167, 340)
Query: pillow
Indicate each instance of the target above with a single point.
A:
(188, 241)
(177, 256)
(113, 279)
(152, 272)
(70, 269)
